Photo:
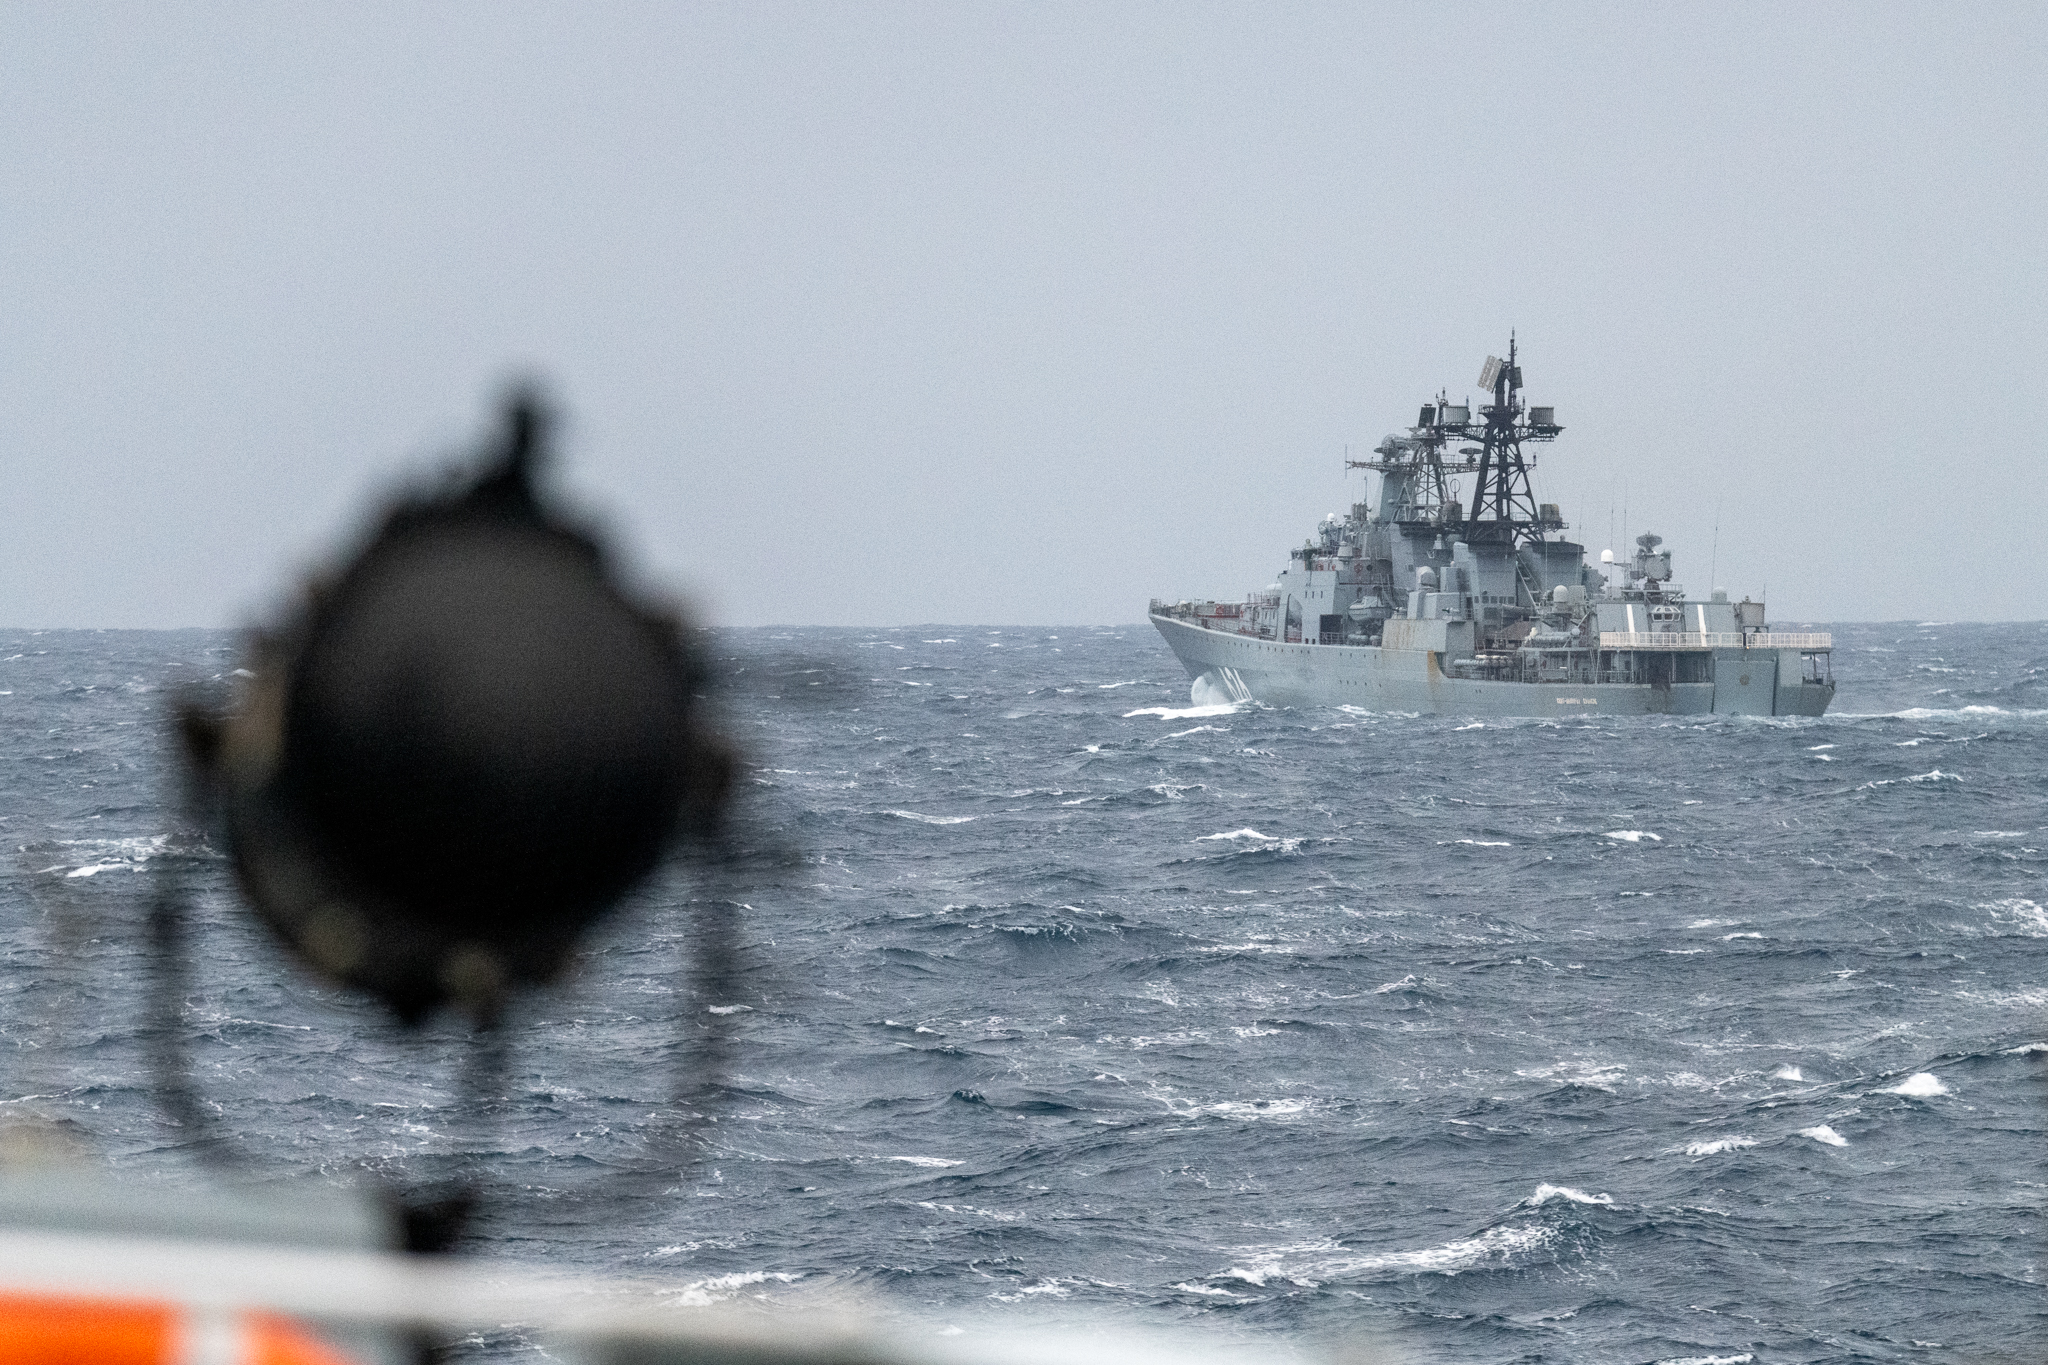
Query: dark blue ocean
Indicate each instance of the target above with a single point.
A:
(1055, 996)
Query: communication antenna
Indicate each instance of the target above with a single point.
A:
(1714, 560)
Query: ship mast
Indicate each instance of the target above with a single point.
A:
(1504, 509)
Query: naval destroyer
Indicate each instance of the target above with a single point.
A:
(1419, 603)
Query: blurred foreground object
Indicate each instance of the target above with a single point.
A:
(374, 1301)
(463, 749)
(457, 754)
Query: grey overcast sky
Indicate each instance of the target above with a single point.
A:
(1019, 313)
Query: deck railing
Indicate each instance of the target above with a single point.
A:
(1716, 639)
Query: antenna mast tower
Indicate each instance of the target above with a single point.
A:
(1504, 509)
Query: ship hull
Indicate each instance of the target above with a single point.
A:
(1243, 667)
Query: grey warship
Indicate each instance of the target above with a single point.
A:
(1418, 604)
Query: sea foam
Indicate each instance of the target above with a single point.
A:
(1727, 1144)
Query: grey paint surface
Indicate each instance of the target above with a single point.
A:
(1746, 686)
(1375, 679)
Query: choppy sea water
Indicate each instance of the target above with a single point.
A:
(1615, 1040)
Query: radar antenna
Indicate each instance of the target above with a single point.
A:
(1503, 504)
(1504, 508)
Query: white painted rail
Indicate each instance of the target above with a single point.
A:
(1716, 639)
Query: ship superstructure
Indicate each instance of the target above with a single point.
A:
(1419, 603)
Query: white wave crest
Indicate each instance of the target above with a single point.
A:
(997, 1215)
(1183, 712)
(1936, 713)
(1633, 836)
(1403, 984)
(1921, 1085)
(94, 856)
(1937, 775)
(1249, 836)
(1250, 1109)
(1787, 1073)
(1823, 1133)
(924, 1160)
(931, 819)
(1496, 1248)
(2013, 915)
(1744, 1359)
(704, 1293)
(1545, 1193)
(1728, 1144)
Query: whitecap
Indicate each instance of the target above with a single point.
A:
(1744, 1359)
(1546, 1192)
(1251, 1109)
(1919, 1085)
(1184, 712)
(2025, 1049)
(1931, 713)
(931, 819)
(996, 1214)
(1249, 835)
(1823, 1133)
(1787, 1073)
(1495, 1247)
(1403, 984)
(2024, 917)
(1633, 836)
(1201, 729)
(1728, 1144)
(1726, 937)
(924, 1161)
(1937, 775)
(109, 855)
(704, 1293)
(1485, 843)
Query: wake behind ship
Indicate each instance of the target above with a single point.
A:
(1415, 605)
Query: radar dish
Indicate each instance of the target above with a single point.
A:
(1489, 372)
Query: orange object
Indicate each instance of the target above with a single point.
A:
(50, 1329)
